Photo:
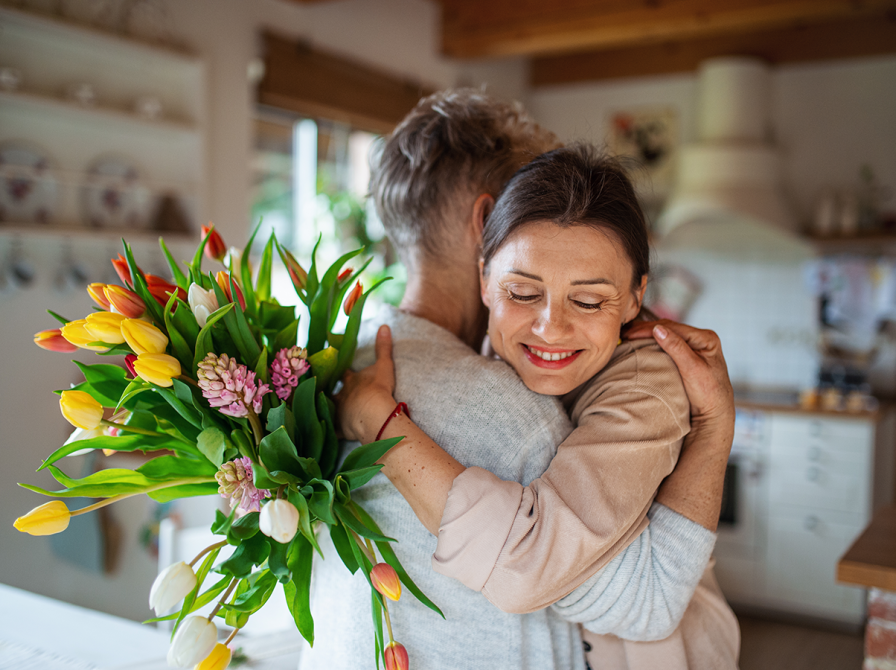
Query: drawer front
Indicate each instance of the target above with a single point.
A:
(838, 439)
(841, 489)
(803, 551)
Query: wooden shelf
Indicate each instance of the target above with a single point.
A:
(35, 102)
(869, 244)
(36, 230)
(94, 38)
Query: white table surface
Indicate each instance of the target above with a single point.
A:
(39, 633)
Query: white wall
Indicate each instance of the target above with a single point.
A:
(398, 35)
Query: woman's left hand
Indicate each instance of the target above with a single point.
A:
(366, 398)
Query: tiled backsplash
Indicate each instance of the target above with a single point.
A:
(764, 314)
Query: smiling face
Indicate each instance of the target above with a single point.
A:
(558, 297)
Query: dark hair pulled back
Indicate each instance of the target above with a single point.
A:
(572, 186)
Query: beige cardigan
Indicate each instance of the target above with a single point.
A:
(527, 547)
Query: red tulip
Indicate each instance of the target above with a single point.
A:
(52, 340)
(223, 279)
(345, 274)
(396, 657)
(352, 298)
(129, 364)
(385, 580)
(161, 290)
(214, 246)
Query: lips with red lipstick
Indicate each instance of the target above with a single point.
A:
(551, 359)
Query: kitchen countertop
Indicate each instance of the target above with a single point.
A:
(871, 560)
(788, 401)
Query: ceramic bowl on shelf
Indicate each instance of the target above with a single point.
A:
(113, 195)
(29, 190)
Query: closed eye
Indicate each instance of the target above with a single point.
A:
(522, 298)
(590, 306)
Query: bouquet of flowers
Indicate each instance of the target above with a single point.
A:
(215, 387)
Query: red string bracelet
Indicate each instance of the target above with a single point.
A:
(399, 408)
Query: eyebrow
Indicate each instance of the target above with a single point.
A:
(577, 282)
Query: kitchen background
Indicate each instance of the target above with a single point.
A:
(222, 157)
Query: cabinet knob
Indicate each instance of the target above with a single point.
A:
(814, 454)
(811, 523)
(812, 474)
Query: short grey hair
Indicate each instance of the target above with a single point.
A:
(453, 146)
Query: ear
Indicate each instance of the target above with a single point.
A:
(638, 300)
(482, 207)
(483, 285)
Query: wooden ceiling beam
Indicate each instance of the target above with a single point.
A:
(864, 37)
(473, 28)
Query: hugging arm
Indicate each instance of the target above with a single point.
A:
(512, 550)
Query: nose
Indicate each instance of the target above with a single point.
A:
(553, 323)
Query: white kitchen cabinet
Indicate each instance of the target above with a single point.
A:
(805, 485)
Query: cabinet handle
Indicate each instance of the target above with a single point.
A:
(811, 523)
(812, 474)
(814, 454)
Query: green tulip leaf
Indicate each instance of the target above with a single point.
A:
(301, 504)
(350, 337)
(298, 590)
(368, 454)
(309, 435)
(212, 442)
(277, 452)
(260, 587)
(210, 594)
(190, 599)
(179, 277)
(184, 491)
(250, 553)
(222, 523)
(204, 343)
(277, 560)
(281, 416)
(243, 528)
(321, 502)
(339, 535)
(105, 383)
(347, 516)
(330, 453)
(359, 477)
(263, 282)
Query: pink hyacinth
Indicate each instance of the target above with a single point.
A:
(229, 386)
(236, 483)
(288, 366)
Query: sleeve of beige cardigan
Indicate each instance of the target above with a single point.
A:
(527, 547)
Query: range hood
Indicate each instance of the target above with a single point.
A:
(728, 197)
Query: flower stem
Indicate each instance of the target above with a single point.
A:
(231, 636)
(256, 427)
(143, 431)
(372, 557)
(223, 599)
(113, 499)
(209, 548)
(188, 380)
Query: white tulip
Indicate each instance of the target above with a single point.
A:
(193, 641)
(279, 519)
(202, 303)
(171, 586)
(80, 434)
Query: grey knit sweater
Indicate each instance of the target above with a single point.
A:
(480, 412)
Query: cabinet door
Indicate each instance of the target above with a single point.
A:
(803, 549)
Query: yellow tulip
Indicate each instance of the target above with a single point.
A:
(105, 327)
(76, 332)
(143, 337)
(217, 660)
(80, 409)
(48, 519)
(157, 369)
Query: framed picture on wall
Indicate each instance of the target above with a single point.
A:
(649, 137)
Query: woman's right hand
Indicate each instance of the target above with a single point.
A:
(366, 398)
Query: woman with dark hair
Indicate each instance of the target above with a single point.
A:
(564, 267)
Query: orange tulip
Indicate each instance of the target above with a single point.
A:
(214, 247)
(385, 580)
(345, 274)
(352, 298)
(122, 269)
(52, 340)
(396, 657)
(97, 292)
(124, 301)
(223, 279)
